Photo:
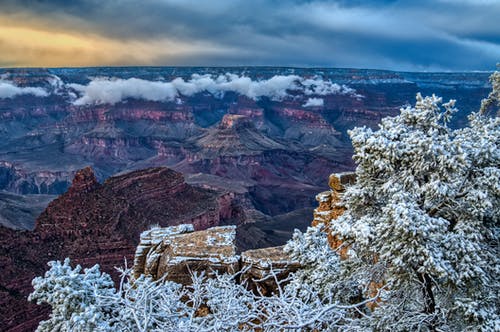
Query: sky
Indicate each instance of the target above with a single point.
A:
(423, 35)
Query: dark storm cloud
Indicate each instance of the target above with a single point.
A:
(407, 35)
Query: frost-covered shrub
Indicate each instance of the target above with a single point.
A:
(75, 298)
(321, 270)
(88, 302)
(494, 96)
(225, 304)
(320, 263)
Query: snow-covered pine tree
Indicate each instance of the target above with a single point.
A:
(425, 210)
(494, 96)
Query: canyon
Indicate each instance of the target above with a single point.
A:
(278, 150)
(85, 180)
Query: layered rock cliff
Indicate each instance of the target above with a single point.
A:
(290, 148)
(94, 223)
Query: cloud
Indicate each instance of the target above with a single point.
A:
(10, 90)
(472, 2)
(390, 34)
(106, 91)
(314, 102)
(278, 87)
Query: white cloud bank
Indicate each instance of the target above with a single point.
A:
(113, 90)
(314, 102)
(9, 90)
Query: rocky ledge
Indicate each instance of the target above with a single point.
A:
(174, 253)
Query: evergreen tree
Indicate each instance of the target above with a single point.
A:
(425, 211)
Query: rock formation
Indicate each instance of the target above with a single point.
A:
(94, 223)
(148, 245)
(329, 209)
(181, 251)
(262, 267)
(331, 206)
(175, 252)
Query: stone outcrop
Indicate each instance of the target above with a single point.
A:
(148, 245)
(329, 209)
(331, 206)
(234, 120)
(262, 267)
(175, 252)
(84, 181)
(181, 251)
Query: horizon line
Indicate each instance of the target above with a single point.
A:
(249, 66)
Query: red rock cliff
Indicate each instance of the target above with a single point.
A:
(95, 223)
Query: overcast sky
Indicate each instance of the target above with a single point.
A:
(398, 35)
